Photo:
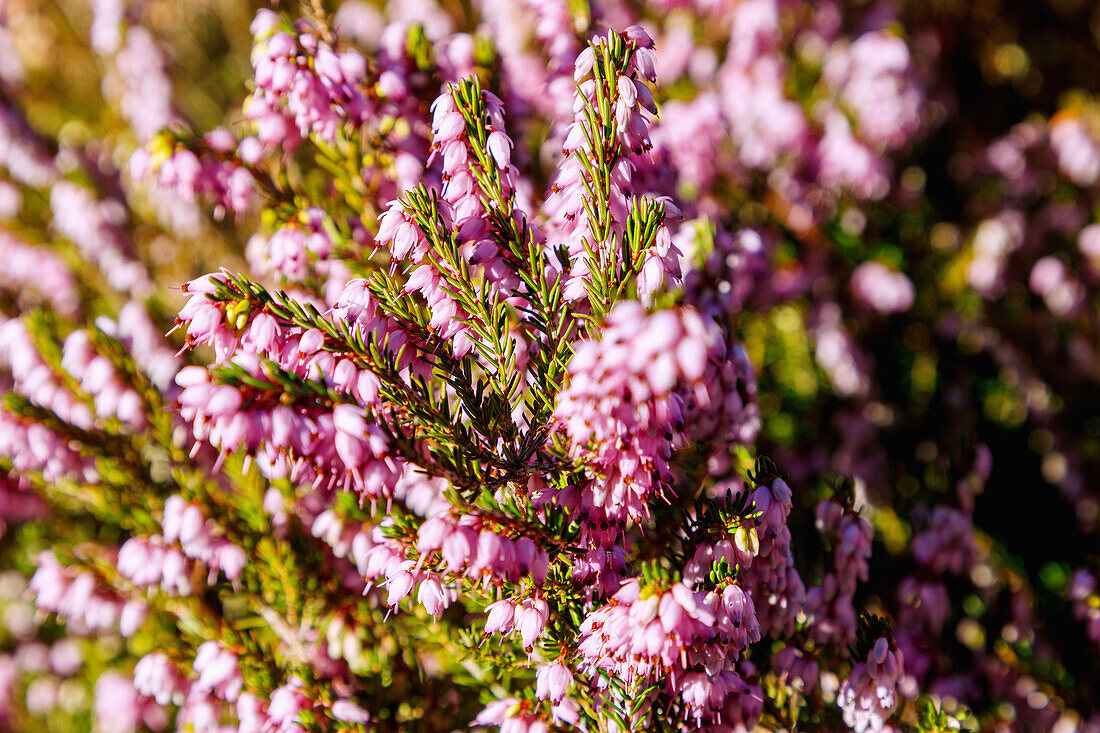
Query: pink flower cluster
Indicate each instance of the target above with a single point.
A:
(35, 379)
(644, 634)
(948, 542)
(215, 691)
(406, 241)
(881, 288)
(146, 561)
(81, 600)
(334, 447)
(624, 404)
(874, 78)
(450, 548)
(466, 546)
(33, 447)
(838, 355)
(214, 171)
(119, 706)
(96, 228)
(830, 604)
(97, 376)
(871, 102)
(156, 677)
(687, 637)
(303, 85)
(143, 339)
(512, 717)
(763, 122)
(528, 616)
(145, 93)
(764, 558)
(27, 267)
(184, 523)
(869, 696)
(297, 249)
(569, 222)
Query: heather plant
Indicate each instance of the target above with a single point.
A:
(546, 366)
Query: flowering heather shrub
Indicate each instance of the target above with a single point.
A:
(549, 365)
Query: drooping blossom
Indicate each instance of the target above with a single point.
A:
(869, 696)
